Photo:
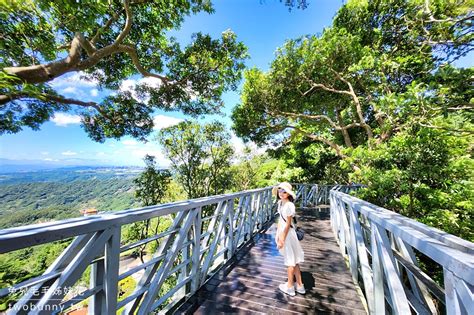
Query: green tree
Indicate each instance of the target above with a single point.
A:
(377, 97)
(200, 156)
(152, 183)
(108, 42)
(253, 170)
(151, 187)
(425, 174)
(351, 87)
(316, 162)
(245, 170)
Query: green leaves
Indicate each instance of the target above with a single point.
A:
(152, 183)
(110, 42)
(27, 35)
(308, 88)
(118, 116)
(422, 173)
(200, 156)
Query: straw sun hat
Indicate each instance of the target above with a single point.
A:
(285, 186)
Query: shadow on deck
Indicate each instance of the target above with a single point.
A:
(249, 282)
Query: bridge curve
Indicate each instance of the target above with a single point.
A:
(249, 282)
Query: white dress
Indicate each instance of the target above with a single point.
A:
(291, 250)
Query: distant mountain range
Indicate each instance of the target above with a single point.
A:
(13, 166)
(18, 175)
(55, 194)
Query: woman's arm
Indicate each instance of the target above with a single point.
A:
(282, 237)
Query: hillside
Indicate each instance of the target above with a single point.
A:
(32, 197)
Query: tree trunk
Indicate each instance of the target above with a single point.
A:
(345, 134)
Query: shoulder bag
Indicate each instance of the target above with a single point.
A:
(299, 231)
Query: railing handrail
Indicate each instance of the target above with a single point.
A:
(452, 252)
(204, 234)
(35, 234)
(363, 229)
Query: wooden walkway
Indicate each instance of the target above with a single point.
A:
(248, 284)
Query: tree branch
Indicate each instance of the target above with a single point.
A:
(316, 117)
(7, 98)
(367, 128)
(88, 46)
(351, 93)
(128, 23)
(132, 52)
(296, 115)
(467, 107)
(318, 138)
(46, 72)
(73, 62)
(109, 22)
(323, 87)
(64, 100)
(333, 145)
(448, 129)
(345, 134)
(55, 98)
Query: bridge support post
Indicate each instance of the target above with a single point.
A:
(379, 296)
(105, 273)
(459, 297)
(230, 230)
(196, 261)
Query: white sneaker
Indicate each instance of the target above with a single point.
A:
(284, 288)
(300, 290)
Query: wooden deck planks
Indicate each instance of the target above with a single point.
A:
(249, 284)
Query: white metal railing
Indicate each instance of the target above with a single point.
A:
(308, 195)
(195, 246)
(311, 195)
(192, 249)
(382, 249)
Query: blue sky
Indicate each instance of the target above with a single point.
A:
(262, 25)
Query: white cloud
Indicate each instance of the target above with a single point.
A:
(44, 153)
(94, 92)
(151, 82)
(70, 90)
(239, 146)
(162, 121)
(62, 119)
(50, 160)
(73, 79)
(69, 153)
(130, 142)
(130, 84)
(148, 81)
(135, 153)
(74, 84)
(101, 154)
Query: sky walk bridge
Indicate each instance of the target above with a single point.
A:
(218, 256)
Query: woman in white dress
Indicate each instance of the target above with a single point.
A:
(287, 242)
